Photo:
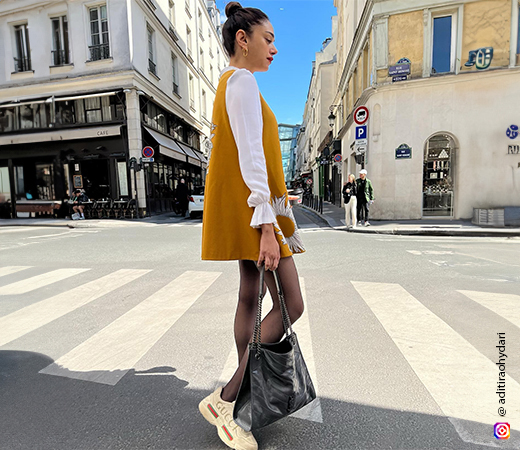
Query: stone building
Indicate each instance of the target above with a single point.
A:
(441, 84)
(85, 86)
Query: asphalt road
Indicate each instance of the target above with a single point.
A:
(109, 338)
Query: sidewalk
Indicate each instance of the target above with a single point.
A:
(92, 223)
(335, 217)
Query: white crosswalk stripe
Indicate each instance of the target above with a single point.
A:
(41, 313)
(11, 269)
(38, 281)
(439, 356)
(108, 355)
(505, 305)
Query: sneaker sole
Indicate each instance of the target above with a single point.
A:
(206, 413)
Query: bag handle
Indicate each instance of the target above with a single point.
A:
(286, 320)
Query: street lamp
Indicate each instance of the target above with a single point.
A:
(332, 119)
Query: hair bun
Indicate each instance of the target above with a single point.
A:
(232, 8)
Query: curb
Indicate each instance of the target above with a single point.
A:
(483, 232)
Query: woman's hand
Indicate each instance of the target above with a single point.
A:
(269, 248)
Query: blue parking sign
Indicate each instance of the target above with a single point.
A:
(361, 132)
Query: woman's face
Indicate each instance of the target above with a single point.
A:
(260, 45)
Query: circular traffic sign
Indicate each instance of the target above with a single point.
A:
(148, 152)
(309, 181)
(338, 158)
(361, 115)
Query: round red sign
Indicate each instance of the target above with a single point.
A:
(361, 115)
(148, 152)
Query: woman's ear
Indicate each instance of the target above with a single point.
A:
(241, 38)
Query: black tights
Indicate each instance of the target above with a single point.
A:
(272, 327)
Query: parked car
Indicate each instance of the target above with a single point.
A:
(196, 204)
(295, 196)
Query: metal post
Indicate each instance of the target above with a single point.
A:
(12, 187)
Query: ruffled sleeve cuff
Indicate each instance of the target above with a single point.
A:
(263, 214)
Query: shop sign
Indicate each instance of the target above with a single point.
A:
(513, 149)
(399, 69)
(404, 151)
(512, 132)
(399, 78)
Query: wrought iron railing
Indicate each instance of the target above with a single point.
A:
(97, 52)
(22, 64)
(152, 67)
(59, 57)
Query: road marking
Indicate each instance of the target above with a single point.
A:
(34, 316)
(302, 329)
(505, 305)
(48, 235)
(430, 252)
(450, 368)
(108, 355)
(11, 269)
(38, 281)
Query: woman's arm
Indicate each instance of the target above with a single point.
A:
(245, 117)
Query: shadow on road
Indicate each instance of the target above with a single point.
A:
(153, 409)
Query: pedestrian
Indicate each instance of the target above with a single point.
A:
(349, 197)
(182, 195)
(77, 201)
(365, 197)
(247, 216)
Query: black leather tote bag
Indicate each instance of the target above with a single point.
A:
(276, 381)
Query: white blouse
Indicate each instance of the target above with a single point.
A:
(245, 117)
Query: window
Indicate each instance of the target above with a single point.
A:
(22, 61)
(188, 43)
(192, 93)
(187, 6)
(60, 41)
(171, 14)
(211, 73)
(151, 55)
(443, 45)
(204, 110)
(201, 60)
(201, 31)
(174, 74)
(99, 41)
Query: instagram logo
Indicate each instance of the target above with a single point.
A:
(502, 430)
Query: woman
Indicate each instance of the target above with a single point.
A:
(247, 216)
(349, 196)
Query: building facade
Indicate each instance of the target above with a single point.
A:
(315, 134)
(84, 87)
(440, 81)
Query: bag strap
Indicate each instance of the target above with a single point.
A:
(286, 320)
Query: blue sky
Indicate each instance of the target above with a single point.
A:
(300, 27)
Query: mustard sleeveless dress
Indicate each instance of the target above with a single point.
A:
(226, 230)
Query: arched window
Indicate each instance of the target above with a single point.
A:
(438, 171)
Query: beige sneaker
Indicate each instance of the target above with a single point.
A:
(220, 413)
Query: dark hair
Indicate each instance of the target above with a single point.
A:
(239, 18)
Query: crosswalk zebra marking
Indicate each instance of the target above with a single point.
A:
(12, 269)
(302, 328)
(38, 314)
(505, 305)
(108, 355)
(436, 352)
(38, 281)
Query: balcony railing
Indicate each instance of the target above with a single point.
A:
(22, 64)
(59, 57)
(98, 52)
(152, 67)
